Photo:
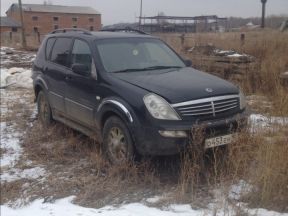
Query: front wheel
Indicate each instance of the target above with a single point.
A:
(44, 109)
(117, 141)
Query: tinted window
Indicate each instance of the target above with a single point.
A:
(81, 54)
(60, 51)
(49, 46)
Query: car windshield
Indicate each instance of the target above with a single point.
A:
(136, 54)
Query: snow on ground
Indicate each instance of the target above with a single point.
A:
(260, 122)
(65, 207)
(10, 139)
(16, 77)
(10, 142)
(11, 75)
(16, 174)
(229, 53)
(238, 190)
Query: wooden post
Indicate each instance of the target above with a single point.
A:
(24, 44)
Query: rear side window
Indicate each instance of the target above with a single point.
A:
(49, 45)
(61, 51)
(81, 54)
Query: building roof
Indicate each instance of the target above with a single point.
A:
(56, 9)
(8, 22)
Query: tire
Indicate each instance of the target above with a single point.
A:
(44, 109)
(117, 141)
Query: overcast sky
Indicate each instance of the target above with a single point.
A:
(114, 11)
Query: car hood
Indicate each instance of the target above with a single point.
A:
(179, 85)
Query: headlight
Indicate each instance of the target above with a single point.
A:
(242, 100)
(159, 108)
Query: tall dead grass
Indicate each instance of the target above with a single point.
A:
(260, 158)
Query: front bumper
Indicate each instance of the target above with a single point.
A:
(148, 140)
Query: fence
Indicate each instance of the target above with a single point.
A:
(13, 39)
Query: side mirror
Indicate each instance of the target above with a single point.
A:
(81, 69)
(188, 62)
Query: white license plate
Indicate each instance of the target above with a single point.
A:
(220, 140)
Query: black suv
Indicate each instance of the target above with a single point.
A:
(132, 91)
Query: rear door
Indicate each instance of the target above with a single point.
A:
(56, 72)
(80, 99)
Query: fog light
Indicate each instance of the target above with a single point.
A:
(173, 133)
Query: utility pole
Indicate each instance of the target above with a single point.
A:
(24, 44)
(263, 13)
(140, 15)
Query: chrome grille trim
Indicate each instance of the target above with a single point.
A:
(217, 111)
(208, 106)
(205, 100)
(226, 105)
(197, 110)
(194, 107)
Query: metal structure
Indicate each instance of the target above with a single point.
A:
(263, 13)
(211, 23)
(127, 29)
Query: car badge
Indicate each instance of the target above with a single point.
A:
(209, 90)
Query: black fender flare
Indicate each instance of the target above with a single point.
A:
(42, 84)
(119, 107)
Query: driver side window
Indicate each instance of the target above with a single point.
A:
(81, 54)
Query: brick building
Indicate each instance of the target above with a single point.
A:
(42, 19)
(9, 25)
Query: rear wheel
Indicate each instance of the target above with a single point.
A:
(117, 141)
(44, 109)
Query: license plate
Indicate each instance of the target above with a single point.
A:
(220, 140)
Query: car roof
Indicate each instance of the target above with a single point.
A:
(100, 35)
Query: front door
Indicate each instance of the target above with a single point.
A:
(80, 100)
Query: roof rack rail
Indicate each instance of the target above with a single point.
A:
(64, 30)
(127, 29)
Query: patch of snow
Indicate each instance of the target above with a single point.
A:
(16, 77)
(3, 75)
(16, 174)
(64, 207)
(14, 70)
(229, 53)
(224, 52)
(10, 143)
(235, 55)
(265, 212)
(240, 189)
(258, 122)
(153, 199)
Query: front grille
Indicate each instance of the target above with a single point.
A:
(213, 106)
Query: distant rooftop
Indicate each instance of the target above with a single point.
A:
(56, 9)
(7, 22)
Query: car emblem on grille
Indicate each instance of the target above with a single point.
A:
(209, 90)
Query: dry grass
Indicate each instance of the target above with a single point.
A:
(259, 158)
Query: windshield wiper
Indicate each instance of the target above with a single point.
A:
(146, 69)
(159, 67)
